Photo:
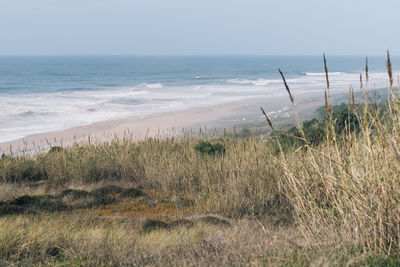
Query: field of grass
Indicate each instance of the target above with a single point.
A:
(326, 192)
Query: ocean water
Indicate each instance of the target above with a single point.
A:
(43, 94)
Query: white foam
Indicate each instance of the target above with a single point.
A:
(152, 85)
(323, 73)
(257, 82)
(27, 114)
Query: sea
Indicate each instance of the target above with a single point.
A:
(49, 93)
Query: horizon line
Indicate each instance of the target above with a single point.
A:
(190, 55)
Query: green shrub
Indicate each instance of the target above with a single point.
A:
(313, 133)
(206, 147)
(314, 130)
(55, 149)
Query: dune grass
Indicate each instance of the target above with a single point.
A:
(326, 193)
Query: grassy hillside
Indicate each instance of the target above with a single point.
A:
(326, 192)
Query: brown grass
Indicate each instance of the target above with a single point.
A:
(326, 102)
(326, 72)
(286, 86)
(28, 241)
(361, 82)
(389, 69)
(267, 119)
(335, 203)
(349, 101)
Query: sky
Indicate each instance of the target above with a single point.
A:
(199, 27)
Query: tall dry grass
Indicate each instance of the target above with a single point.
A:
(241, 181)
(343, 192)
(61, 241)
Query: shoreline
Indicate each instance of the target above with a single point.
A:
(174, 123)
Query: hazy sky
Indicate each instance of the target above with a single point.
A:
(199, 27)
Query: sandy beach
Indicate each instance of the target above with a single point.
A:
(174, 123)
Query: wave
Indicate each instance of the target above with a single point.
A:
(32, 113)
(151, 85)
(257, 82)
(18, 114)
(322, 73)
